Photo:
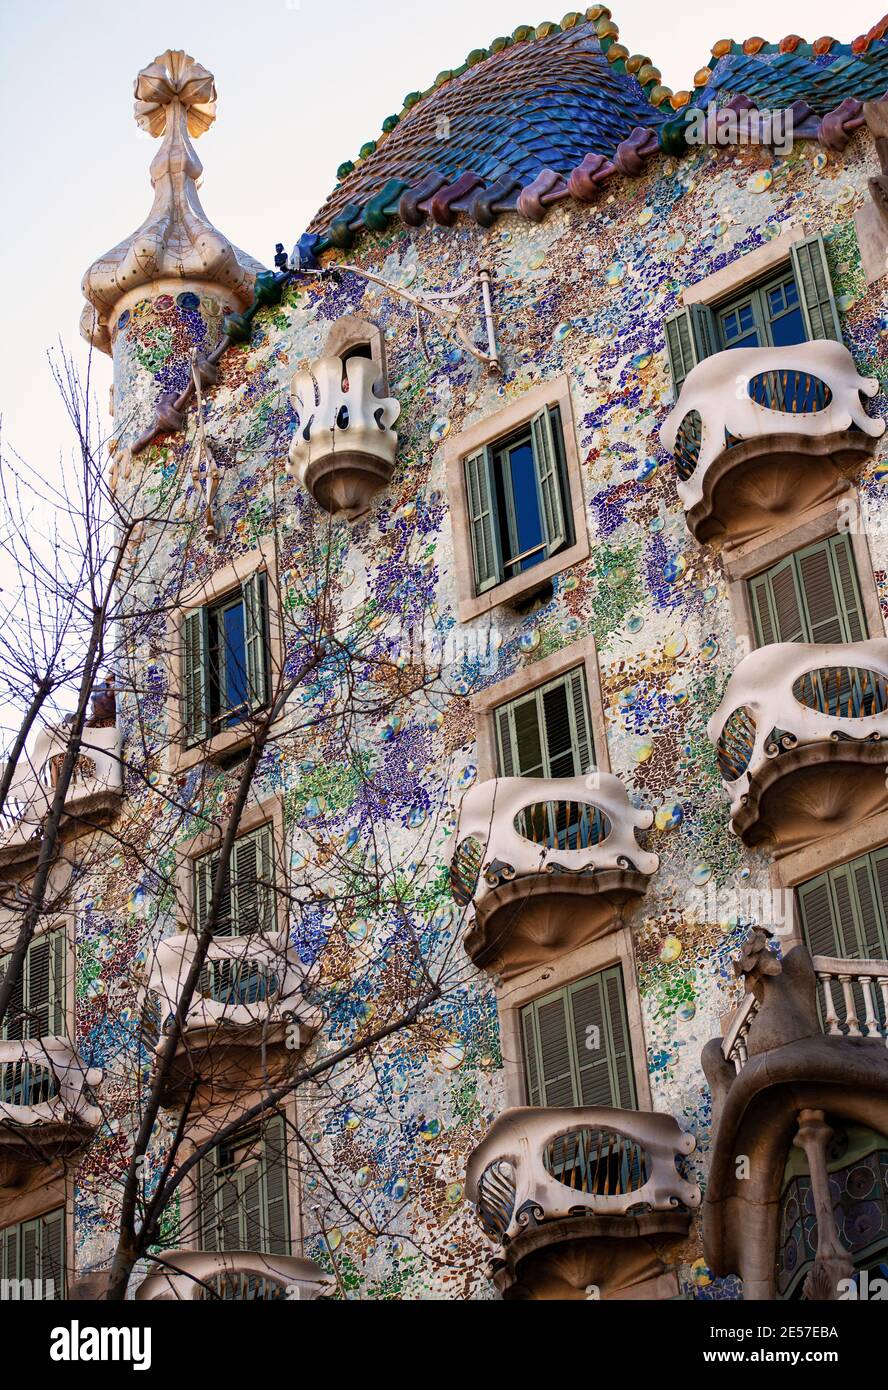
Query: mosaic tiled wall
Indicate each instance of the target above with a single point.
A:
(583, 293)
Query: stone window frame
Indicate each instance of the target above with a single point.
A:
(179, 756)
(745, 270)
(269, 811)
(528, 678)
(208, 1123)
(744, 562)
(350, 330)
(616, 948)
(499, 425)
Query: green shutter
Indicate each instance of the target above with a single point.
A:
(546, 733)
(255, 598)
(37, 1006)
(59, 945)
(763, 617)
(821, 594)
(194, 675)
(811, 270)
(277, 1213)
(243, 1195)
(563, 1065)
(851, 605)
(690, 337)
(204, 870)
(506, 758)
(844, 910)
(253, 897)
(481, 500)
(811, 596)
(52, 1252)
(545, 459)
(582, 731)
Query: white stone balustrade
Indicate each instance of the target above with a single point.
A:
(853, 997)
(794, 694)
(234, 1274)
(344, 443)
(98, 778)
(256, 979)
(610, 1162)
(540, 825)
(810, 388)
(46, 1067)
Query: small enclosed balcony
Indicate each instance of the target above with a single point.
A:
(547, 864)
(47, 1109)
(93, 795)
(764, 434)
(248, 1006)
(236, 1275)
(344, 443)
(799, 737)
(582, 1197)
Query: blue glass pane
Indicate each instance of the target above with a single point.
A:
(739, 327)
(236, 691)
(528, 523)
(788, 329)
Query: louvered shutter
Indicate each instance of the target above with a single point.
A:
(545, 462)
(194, 675)
(38, 971)
(818, 917)
(869, 911)
(763, 618)
(820, 595)
(206, 1200)
(624, 1079)
(253, 886)
(481, 499)
(591, 1039)
(204, 871)
(528, 736)
(52, 1253)
(531, 1058)
(879, 860)
(277, 1213)
(849, 592)
(504, 746)
(690, 337)
(255, 597)
(554, 1051)
(558, 729)
(811, 270)
(59, 947)
(847, 920)
(29, 1255)
(787, 603)
(579, 704)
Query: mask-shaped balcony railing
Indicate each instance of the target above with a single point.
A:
(95, 788)
(547, 1178)
(810, 719)
(235, 1275)
(343, 447)
(46, 1104)
(545, 863)
(249, 1000)
(759, 434)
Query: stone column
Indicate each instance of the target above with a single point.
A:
(832, 1262)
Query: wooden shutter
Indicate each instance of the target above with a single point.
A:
(52, 1253)
(870, 921)
(845, 572)
(763, 617)
(777, 605)
(582, 731)
(811, 270)
(276, 1234)
(204, 872)
(561, 1069)
(690, 337)
(820, 594)
(194, 675)
(253, 897)
(879, 861)
(206, 1202)
(546, 733)
(59, 948)
(545, 462)
(481, 499)
(255, 598)
(504, 747)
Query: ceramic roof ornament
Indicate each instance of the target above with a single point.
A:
(176, 247)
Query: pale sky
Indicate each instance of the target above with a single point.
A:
(301, 85)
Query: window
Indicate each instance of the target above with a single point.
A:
(546, 733)
(576, 1045)
(793, 306)
(811, 596)
(248, 900)
(515, 491)
(845, 911)
(243, 1192)
(225, 675)
(34, 1250)
(37, 1006)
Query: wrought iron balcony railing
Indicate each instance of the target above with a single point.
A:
(790, 704)
(796, 411)
(539, 1165)
(344, 442)
(96, 785)
(235, 1275)
(539, 845)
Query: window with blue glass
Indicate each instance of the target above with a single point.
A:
(225, 659)
(516, 493)
(793, 304)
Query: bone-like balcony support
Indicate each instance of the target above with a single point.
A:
(96, 784)
(234, 1274)
(344, 443)
(759, 432)
(539, 1165)
(791, 706)
(44, 1084)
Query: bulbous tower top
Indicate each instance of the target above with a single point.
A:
(176, 248)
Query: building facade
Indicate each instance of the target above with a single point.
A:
(588, 426)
